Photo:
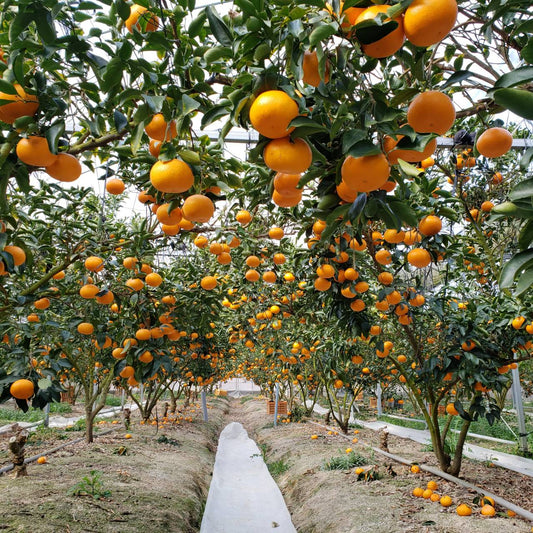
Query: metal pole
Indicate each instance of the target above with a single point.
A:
(142, 394)
(276, 400)
(123, 398)
(204, 405)
(47, 415)
(519, 406)
(378, 394)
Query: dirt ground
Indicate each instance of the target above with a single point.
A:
(335, 502)
(161, 481)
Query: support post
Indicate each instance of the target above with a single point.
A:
(276, 400)
(122, 399)
(46, 422)
(378, 394)
(142, 393)
(519, 407)
(204, 404)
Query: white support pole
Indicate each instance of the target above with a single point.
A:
(142, 394)
(276, 400)
(519, 407)
(122, 399)
(46, 422)
(204, 404)
(378, 394)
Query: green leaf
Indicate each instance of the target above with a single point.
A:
(136, 138)
(247, 7)
(519, 101)
(53, 134)
(370, 31)
(113, 74)
(526, 159)
(525, 237)
(189, 156)
(23, 179)
(7, 87)
(297, 13)
(123, 9)
(21, 21)
(525, 281)
(321, 33)
(45, 25)
(456, 77)
(220, 31)
(403, 211)
(120, 120)
(44, 383)
(356, 209)
(523, 190)
(527, 51)
(195, 27)
(517, 263)
(189, 104)
(306, 126)
(352, 137)
(515, 77)
(408, 169)
(363, 148)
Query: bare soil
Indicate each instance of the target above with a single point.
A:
(336, 502)
(158, 480)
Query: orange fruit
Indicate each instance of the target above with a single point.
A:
(65, 168)
(252, 275)
(431, 112)
(115, 186)
(201, 241)
(23, 104)
(22, 389)
(494, 142)
(269, 276)
(94, 264)
(430, 225)
(153, 279)
(463, 510)
(171, 218)
(427, 493)
(415, 469)
(144, 197)
(346, 193)
(85, 328)
(41, 460)
(34, 151)
(351, 274)
(224, 258)
(145, 357)
(143, 334)
(427, 22)
(393, 236)
(288, 157)
(518, 322)
(418, 492)
(106, 298)
(311, 74)
(419, 258)
(17, 253)
(129, 262)
(135, 284)
(154, 147)
(366, 173)
(446, 501)
(325, 271)
(361, 286)
(271, 112)
(322, 284)
(411, 156)
(487, 206)
(136, 12)
(198, 208)
(253, 261)
(172, 176)
(388, 45)
(243, 217)
(127, 372)
(208, 282)
(286, 183)
(435, 497)
(287, 200)
(170, 229)
(383, 257)
(161, 130)
(386, 278)
(33, 317)
(89, 291)
(42, 303)
(487, 500)
(276, 233)
(349, 16)
(279, 258)
(432, 485)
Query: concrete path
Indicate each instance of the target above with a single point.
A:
(472, 451)
(243, 497)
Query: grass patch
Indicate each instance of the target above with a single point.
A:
(113, 401)
(276, 468)
(345, 461)
(413, 424)
(33, 415)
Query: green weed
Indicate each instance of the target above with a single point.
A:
(90, 485)
(345, 461)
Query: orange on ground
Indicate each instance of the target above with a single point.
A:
(34, 151)
(311, 74)
(366, 173)
(431, 112)
(41, 460)
(65, 168)
(494, 142)
(23, 104)
(271, 113)
(198, 208)
(463, 510)
(172, 176)
(388, 45)
(289, 157)
(446, 501)
(427, 22)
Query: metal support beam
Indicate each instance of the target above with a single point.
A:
(519, 407)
